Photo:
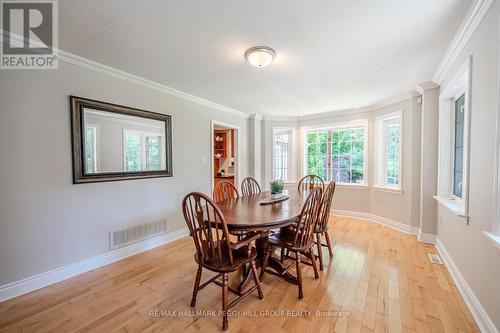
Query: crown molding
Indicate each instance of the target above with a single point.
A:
(464, 33)
(256, 116)
(425, 86)
(82, 62)
(381, 104)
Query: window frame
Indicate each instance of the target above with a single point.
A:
(275, 131)
(381, 147)
(340, 126)
(458, 85)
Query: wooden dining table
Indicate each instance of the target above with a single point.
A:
(247, 214)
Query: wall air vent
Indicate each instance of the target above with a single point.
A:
(137, 233)
(434, 258)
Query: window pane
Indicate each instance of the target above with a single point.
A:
(152, 153)
(90, 158)
(281, 152)
(393, 153)
(458, 146)
(317, 157)
(133, 157)
(348, 155)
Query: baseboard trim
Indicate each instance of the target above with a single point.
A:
(35, 282)
(426, 238)
(484, 322)
(378, 219)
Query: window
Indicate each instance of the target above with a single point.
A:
(141, 151)
(91, 149)
(281, 158)
(389, 150)
(152, 153)
(337, 154)
(458, 152)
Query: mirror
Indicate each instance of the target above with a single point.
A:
(113, 142)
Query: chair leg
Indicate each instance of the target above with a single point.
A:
(282, 257)
(328, 243)
(268, 251)
(313, 262)
(224, 301)
(256, 279)
(196, 286)
(320, 250)
(299, 276)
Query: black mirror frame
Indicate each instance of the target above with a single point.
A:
(77, 104)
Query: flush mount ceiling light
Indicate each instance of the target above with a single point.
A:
(260, 56)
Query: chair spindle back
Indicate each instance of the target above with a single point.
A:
(311, 181)
(225, 190)
(250, 186)
(208, 228)
(326, 204)
(306, 222)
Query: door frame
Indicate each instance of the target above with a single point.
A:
(237, 159)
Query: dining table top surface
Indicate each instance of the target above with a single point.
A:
(247, 214)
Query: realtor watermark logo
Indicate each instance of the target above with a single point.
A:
(29, 38)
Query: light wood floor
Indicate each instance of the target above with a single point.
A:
(381, 276)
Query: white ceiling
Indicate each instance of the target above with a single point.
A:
(331, 54)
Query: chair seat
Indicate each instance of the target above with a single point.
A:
(285, 238)
(240, 257)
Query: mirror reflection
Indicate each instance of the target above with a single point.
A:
(115, 142)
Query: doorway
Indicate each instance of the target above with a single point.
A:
(225, 153)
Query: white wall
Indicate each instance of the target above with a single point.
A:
(400, 207)
(47, 222)
(475, 256)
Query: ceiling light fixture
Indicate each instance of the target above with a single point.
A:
(260, 56)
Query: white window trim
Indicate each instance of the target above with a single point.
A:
(97, 166)
(494, 233)
(143, 135)
(381, 172)
(461, 83)
(288, 130)
(336, 126)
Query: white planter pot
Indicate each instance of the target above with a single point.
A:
(276, 195)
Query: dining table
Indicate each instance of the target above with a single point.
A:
(250, 214)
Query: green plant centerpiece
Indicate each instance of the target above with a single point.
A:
(276, 188)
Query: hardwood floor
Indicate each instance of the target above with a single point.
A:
(380, 277)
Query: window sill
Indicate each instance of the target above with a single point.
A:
(495, 239)
(393, 190)
(353, 186)
(453, 206)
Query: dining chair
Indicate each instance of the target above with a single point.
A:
(249, 186)
(322, 225)
(215, 251)
(225, 190)
(300, 239)
(311, 181)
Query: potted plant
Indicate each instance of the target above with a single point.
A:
(276, 189)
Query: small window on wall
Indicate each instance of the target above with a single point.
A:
(389, 150)
(141, 151)
(337, 154)
(281, 154)
(458, 146)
